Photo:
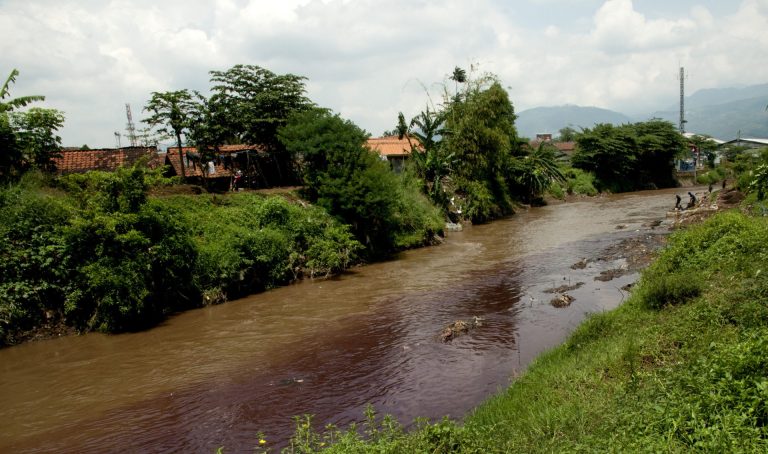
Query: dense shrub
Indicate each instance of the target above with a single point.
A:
(349, 180)
(96, 253)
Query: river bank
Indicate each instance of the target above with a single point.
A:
(219, 375)
(679, 366)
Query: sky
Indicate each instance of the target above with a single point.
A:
(370, 59)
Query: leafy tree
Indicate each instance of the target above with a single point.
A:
(432, 162)
(483, 141)
(567, 134)
(658, 144)
(609, 152)
(172, 111)
(254, 103)
(27, 139)
(631, 156)
(345, 177)
(458, 76)
(36, 136)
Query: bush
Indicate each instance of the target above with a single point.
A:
(580, 182)
(669, 289)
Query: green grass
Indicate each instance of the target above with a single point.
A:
(680, 367)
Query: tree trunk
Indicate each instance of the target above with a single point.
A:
(181, 156)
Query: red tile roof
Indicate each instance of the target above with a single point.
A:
(106, 159)
(566, 147)
(391, 146)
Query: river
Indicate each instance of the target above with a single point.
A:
(220, 375)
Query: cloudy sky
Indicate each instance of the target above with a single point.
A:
(369, 59)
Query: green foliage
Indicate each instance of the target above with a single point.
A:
(670, 289)
(28, 139)
(96, 253)
(691, 377)
(759, 182)
(345, 177)
(630, 157)
(481, 140)
(579, 182)
(31, 250)
(566, 134)
(535, 172)
(173, 113)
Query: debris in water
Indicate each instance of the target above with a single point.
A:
(562, 300)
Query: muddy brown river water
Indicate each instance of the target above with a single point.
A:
(220, 375)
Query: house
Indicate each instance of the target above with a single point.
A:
(255, 167)
(393, 149)
(105, 159)
(753, 143)
(566, 148)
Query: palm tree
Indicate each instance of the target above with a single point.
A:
(537, 170)
(16, 102)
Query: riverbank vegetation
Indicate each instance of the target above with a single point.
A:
(94, 252)
(679, 367)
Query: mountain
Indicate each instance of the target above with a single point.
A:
(724, 113)
(551, 119)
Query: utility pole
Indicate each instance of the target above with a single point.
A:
(130, 126)
(682, 100)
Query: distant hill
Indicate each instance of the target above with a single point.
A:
(724, 112)
(551, 119)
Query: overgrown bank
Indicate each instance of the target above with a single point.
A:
(95, 252)
(680, 366)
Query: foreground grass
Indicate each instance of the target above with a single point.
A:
(682, 366)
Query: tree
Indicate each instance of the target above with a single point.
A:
(536, 171)
(345, 177)
(36, 136)
(255, 103)
(172, 111)
(12, 104)
(27, 139)
(631, 156)
(567, 134)
(483, 141)
(432, 162)
(609, 152)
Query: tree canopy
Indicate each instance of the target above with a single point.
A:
(28, 139)
(632, 156)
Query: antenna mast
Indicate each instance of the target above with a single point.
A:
(130, 126)
(682, 100)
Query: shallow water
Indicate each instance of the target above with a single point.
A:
(220, 375)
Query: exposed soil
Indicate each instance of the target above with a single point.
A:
(706, 207)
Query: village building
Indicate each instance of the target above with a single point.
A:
(104, 159)
(393, 150)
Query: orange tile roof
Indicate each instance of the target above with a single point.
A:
(106, 159)
(392, 145)
(566, 147)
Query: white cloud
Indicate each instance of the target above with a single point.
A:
(369, 59)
